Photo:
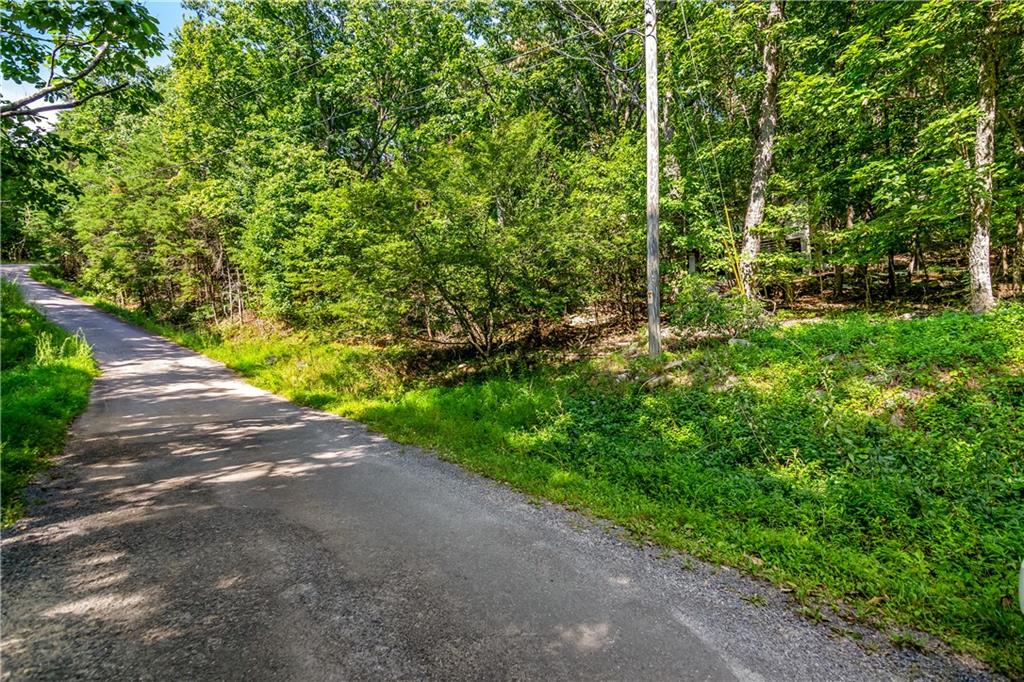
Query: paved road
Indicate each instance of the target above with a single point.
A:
(199, 528)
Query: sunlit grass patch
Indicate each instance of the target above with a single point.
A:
(46, 375)
(815, 449)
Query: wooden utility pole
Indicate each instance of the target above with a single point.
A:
(653, 256)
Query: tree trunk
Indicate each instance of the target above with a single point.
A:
(763, 149)
(1018, 252)
(924, 274)
(865, 272)
(840, 271)
(984, 153)
(890, 271)
(912, 265)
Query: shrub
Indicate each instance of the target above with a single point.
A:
(699, 306)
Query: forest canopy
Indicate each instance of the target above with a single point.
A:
(472, 172)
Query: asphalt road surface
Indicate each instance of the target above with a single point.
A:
(200, 528)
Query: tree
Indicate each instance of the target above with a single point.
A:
(767, 121)
(467, 172)
(74, 51)
(71, 52)
(984, 156)
(471, 236)
(31, 181)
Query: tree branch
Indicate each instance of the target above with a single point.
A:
(18, 106)
(1014, 133)
(70, 104)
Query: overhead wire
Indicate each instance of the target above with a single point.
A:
(729, 240)
(700, 92)
(726, 227)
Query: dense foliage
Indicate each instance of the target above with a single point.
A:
(468, 172)
(46, 377)
(66, 54)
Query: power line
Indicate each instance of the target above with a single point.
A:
(287, 75)
(730, 243)
(690, 131)
(700, 92)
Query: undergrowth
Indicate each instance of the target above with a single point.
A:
(862, 461)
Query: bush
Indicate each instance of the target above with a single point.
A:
(698, 306)
(471, 245)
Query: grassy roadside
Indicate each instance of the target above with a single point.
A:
(870, 464)
(46, 375)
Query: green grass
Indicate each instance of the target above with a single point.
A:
(863, 460)
(45, 377)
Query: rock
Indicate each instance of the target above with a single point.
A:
(739, 342)
(831, 357)
(659, 380)
(729, 382)
(270, 360)
(622, 377)
(673, 365)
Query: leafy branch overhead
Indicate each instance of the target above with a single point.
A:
(74, 51)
